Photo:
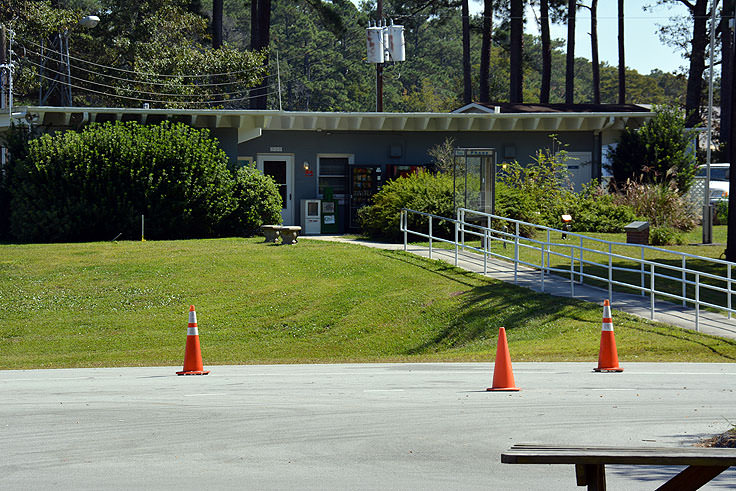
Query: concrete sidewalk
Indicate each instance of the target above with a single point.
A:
(709, 323)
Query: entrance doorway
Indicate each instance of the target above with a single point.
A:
(281, 169)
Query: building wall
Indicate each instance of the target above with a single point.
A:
(381, 149)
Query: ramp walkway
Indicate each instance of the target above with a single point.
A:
(667, 312)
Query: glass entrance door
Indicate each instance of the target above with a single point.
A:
(281, 169)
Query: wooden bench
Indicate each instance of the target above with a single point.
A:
(703, 463)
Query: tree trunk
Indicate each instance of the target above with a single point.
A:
(594, 51)
(726, 71)
(485, 51)
(467, 84)
(259, 39)
(570, 64)
(517, 31)
(216, 23)
(546, 52)
(697, 63)
(621, 57)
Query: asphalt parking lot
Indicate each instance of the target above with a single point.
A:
(365, 426)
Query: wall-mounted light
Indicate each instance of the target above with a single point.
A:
(306, 165)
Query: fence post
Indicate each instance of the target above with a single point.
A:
(430, 237)
(548, 247)
(485, 251)
(457, 226)
(697, 302)
(651, 289)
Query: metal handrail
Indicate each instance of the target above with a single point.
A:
(575, 253)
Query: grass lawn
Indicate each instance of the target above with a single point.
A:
(126, 304)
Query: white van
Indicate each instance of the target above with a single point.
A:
(719, 175)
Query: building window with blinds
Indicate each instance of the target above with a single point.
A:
(333, 174)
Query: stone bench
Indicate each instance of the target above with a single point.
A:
(288, 233)
(271, 232)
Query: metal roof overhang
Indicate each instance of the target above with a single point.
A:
(250, 123)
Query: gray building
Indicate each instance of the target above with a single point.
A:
(311, 154)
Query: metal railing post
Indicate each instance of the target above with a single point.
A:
(548, 247)
(462, 229)
(490, 235)
(642, 272)
(405, 226)
(430, 237)
(516, 254)
(697, 302)
(684, 282)
(457, 226)
(651, 289)
(485, 251)
(610, 273)
(728, 300)
(541, 266)
(582, 278)
(572, 272)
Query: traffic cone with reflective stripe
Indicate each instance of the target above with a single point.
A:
(192, 354)
(607, 356)
(503, 375)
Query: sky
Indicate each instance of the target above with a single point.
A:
(644, 51)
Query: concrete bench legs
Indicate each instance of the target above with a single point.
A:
(287, 233)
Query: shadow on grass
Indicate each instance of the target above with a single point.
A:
(488, 304)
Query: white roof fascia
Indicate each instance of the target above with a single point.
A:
(337, 121)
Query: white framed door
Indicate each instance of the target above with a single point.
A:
(281, 168)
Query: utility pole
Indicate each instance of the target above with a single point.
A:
(379, 66)
(731, 154)
(3, 72)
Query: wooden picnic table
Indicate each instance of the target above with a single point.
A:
(703, 464)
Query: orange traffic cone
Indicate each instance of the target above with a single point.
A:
(192, 354)
(503, 375)
(607, 357)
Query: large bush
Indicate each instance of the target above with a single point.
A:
(661, 151)
(96, 184)
(258, 202)
(423, 191)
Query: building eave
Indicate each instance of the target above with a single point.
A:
(246, 120)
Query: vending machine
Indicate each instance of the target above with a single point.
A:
(310, 216)
(365, 181)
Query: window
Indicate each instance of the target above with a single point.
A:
(333, 174)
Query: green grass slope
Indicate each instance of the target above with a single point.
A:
(126, 304)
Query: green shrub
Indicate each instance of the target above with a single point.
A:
(95, 184)
(423, 191)
(661, 204)
(658, 152)
(258, 202)
(512, 202)
(721, 211)
(659, 236)
(592, 210)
